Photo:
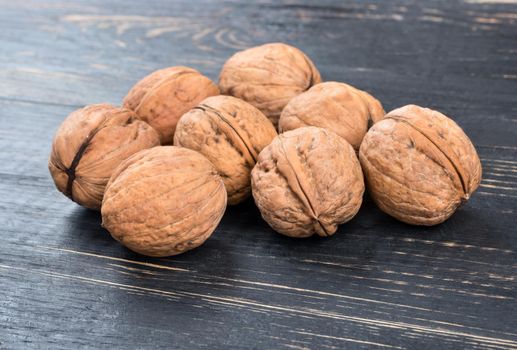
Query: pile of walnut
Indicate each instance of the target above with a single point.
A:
(160, 200)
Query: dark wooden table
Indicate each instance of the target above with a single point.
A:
(64, 283)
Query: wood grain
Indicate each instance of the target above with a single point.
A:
(376, 284)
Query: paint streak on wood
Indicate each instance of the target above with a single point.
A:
(157, 266)
(300, 311)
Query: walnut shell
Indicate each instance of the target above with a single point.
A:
(339, 107)
(307, 181)
(268, 76)
(89, 144)
(419, 165)
(163, 201)
(163, 96)
(230, 133)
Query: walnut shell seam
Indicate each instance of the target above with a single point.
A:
(301, 188)
(237, 130)
(70, 170)
(149, 94)
(457, 167)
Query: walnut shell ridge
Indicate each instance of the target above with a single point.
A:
(230, 133)
(163, 201)
(307, 181)
(90, 143)
(419, 165)
(268, 76)
(338, 107)
(163, 96)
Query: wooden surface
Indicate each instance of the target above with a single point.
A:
(64, 283)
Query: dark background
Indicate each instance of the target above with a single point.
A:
(64, 283)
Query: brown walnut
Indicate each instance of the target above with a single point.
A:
(307, 181)
(163, 96)
(268, 76)
(230, 133)
(338, 107)
(89, 144)
(419, 165)
(163, 201)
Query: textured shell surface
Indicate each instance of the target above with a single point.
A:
(163, 96)
(307, 181)
(230, 133)
(419, 164)
(268, 76)
(90, 143)
(163, 201)
(339, 107)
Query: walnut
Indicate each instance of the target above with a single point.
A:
(162, 97)
(268, 76)
(419, 165)
(89, 144)
(163, 201)
(307, 181)
(339, 107)
(230, 133)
